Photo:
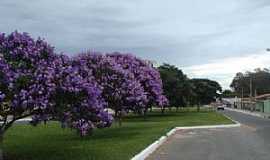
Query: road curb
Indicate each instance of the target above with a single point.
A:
(210, 126)
(235, 121)
(152, 147)
(246, 112)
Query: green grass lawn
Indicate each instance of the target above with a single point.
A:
(50, 142)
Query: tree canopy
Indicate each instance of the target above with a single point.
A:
(77, 91)
(181, 91)
(206, 91)
(175, 85)
(228, 94)
(255, 82)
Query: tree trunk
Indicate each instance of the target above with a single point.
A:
(120, 121)
(162, 110)
(1, 146)
(120, 118)
(117, 116)
(144, 114)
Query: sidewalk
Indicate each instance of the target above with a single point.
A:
(257, 114)
(241, 143)
(164, 139)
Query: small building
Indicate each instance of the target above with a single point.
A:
(263, 103)
(245, 104)
(230, 102)
(259, 103)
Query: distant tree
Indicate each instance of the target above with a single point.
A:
(175, 84)
(206, 91)
(240, 84)
(228, 94)
(181, 91)
(259, 79)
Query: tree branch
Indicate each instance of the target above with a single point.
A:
(4, 123)
(9, 124)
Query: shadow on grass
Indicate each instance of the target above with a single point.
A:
(160, 117)
(116, 132)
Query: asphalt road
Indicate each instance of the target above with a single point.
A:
(251, 141)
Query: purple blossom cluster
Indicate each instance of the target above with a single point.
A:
(120, 88)
(78, 97)
(2, 96)
(25, 74)
(146, 74)
(83, 126)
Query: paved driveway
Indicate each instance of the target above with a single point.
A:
(251, 141)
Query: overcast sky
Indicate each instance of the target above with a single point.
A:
(209, 38)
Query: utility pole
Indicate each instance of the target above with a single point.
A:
(242, 96)
(255, 94)
(250, 86)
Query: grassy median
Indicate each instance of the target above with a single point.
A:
(50, 142)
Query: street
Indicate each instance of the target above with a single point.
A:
(251, 141)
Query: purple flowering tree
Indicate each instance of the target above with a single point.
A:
(25, 78)
(120, 88)
(147, 75)
(36, 82)
(78, 98)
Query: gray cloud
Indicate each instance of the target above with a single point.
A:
(183, 33)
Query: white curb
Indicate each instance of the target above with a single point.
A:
(235, 121)
(209, 127)
(152, 147)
